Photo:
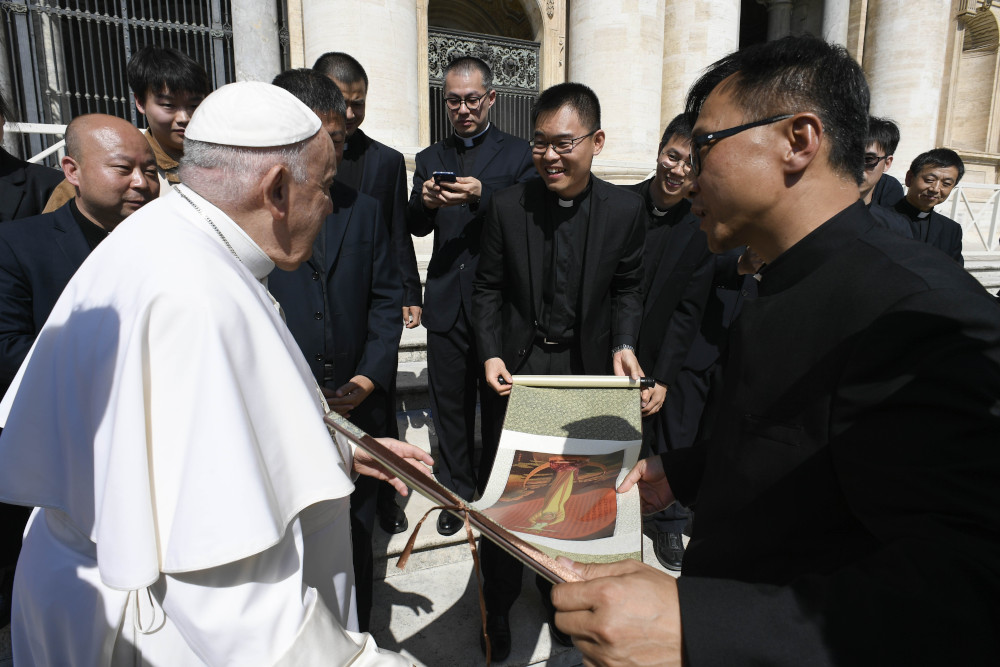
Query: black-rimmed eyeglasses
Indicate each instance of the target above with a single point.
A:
(871, 161)
(560, 146)
(702, 140)
(471, 103)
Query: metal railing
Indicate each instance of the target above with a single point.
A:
(40, 128)
(68, 57)
(976, 206)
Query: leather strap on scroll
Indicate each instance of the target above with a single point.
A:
(405, 556)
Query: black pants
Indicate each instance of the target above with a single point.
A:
(455, 380)
(501, 571)
(674, 427)
(371, 416)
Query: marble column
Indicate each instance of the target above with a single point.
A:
(256, 50)
(836, 17)
(382, 35)
(906, 74)
(615, 47)
(695, 35)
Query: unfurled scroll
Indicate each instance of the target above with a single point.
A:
(567, 443)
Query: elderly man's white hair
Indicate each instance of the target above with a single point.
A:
(225, 174)
(241, 131)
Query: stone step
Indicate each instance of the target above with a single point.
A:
(411, 386)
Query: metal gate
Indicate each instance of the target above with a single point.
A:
(68, 57)
(515, 77)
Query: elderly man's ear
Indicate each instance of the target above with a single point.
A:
(275, 187)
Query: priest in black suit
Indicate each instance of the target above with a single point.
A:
(678, 279)
(479, 159)
(372, 168)
(848, 503)
(558, 290)
(24, 187)
(342, 307)
(113, 170)
(931, 178)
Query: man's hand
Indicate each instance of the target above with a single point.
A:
(495, 368)
(350, 395)
(625, 363)
(411, 316)
(625, 613)
(364, 464)
(749, 262)
(654, 489)
(465, 190)
(656, 397)
(430, 195)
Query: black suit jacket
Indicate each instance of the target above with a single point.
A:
(38, 256)
(24, 187)
(502, 160)
(384, 178)
(942, 232)
(859, 429)
(343, 304)
(677, 293)
(507, 293)
(887, 191)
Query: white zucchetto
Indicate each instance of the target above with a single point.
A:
(252, 114)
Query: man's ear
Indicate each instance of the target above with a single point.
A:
(140, 106)
(888, 162)
(275, 191)
(71, 170)
(909, 178)
(598, 142)
(804, 135)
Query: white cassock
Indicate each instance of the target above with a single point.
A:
(193, 506)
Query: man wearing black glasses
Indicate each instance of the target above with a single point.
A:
(848, 502)
(452, 185)
(558, 290)
(879, 187)
(678, 279)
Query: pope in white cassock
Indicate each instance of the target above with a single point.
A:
(193, 508)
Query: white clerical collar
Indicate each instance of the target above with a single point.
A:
(923, 214)
(471, 141)
(230, 235)
(658, 213)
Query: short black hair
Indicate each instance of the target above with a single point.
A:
(680, 126)
(939, 157)
(883, 132)
(314, 90)
(796, 74)
(577, 96)
(469, 64)
(154, 69)
(342, 67)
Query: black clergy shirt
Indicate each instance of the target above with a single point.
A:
(93, 233)
(352, 166)
(562, 264)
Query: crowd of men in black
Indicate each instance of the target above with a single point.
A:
(541, 267)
